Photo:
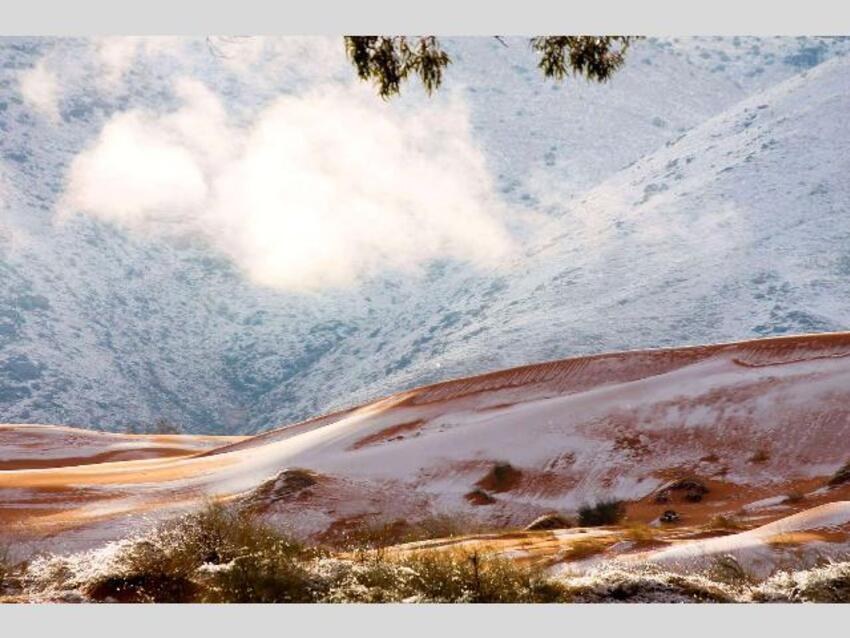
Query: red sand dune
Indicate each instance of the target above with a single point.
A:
(26, 446)
(752, 421)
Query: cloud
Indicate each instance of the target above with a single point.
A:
(115, 55)
(40, 89)
(320, 189)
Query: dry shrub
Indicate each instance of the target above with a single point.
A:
(639, 533)
(825, 584)
(841, 476)
(444, 577)
(8, 571)
(793, 498)
(164, 567)
(721, 522)
(368, 535)
(223, 556)
(586, 547)
(603, 513)
(729, 571)
(5, 566)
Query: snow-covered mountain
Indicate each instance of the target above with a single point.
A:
(699, 196)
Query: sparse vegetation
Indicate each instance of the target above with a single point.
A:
(826, 584)
(793, 498)
(371, 535)
(164, 567)
(445, 578)
(645, 584)
(587, 547)
(222, 556)
(722, 522)
(841, 476)
(7, 570)
(602, 513)
(729, 571)
(639, 533)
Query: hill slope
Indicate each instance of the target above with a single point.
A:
(102, 328)
(750, 422)
(737, 227)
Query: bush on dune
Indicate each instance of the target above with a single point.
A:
(167, 565)
(441, 577)
(6, 570)
(378, 534)
(602, 513)
(11, 574)
(826, 584)
(841, 476)
(224, 556)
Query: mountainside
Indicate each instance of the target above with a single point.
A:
(704, 240)
(666, 197)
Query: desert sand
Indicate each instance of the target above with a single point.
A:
(743, 441)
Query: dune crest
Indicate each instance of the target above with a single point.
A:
(760, 426)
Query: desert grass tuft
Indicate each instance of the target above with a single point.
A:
(722, 522)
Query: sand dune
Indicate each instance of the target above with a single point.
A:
(26, 446)
(753, 422)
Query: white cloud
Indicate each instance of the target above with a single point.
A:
(115, 55)
(40, 89)
(321, 189)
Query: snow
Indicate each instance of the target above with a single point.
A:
(27, 443)
(665, 195)
(752, 548)
(617, 430)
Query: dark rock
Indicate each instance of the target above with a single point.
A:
(479, 497)
(669, 516)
